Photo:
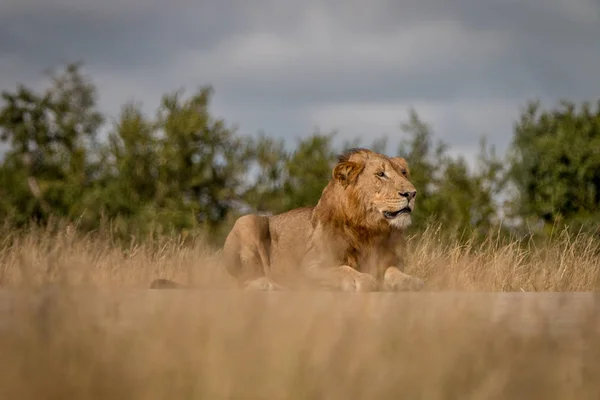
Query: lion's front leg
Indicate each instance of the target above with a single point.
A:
(395, 280)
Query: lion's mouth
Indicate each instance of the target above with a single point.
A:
(394, 214)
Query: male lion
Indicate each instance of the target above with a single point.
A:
(349, 241)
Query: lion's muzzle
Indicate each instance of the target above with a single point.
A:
(394, 214)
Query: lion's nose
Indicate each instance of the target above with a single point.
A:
(409, 194)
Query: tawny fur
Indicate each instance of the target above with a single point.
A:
(346, 242)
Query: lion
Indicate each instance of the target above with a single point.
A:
(351, 240)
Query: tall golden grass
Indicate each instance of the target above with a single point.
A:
(74, 324)
(61, 254)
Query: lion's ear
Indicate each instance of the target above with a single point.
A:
(402, 164)
(346, 172)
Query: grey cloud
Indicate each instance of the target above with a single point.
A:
(543, 51)
(320, 55)
(117, 34)
(63, 35)
(295, 90)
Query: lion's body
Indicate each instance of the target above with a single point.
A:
(267, 245)
(351, 240)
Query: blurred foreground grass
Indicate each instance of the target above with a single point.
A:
(190, 344)
(77, 322)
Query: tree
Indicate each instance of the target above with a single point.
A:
(308, 170)
(202, 163)
(555, 164)
(425, 164)
(182, 170)
(49, 164)
(125, 188)
(448, 193)
(267, 176)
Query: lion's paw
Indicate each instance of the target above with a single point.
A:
(360, 283)
(397, 281)
(262, 284)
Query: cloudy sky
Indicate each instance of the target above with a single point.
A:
(285, 68)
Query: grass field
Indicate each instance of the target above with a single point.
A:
(77, 322)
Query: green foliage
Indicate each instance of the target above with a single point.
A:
(182, 169)
(308, 171)
(555, 164)
(48, 165)
(448, 193)
(265, 194)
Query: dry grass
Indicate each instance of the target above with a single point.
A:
(566, 263)
(91, 336)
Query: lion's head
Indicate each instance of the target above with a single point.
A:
(372, 190)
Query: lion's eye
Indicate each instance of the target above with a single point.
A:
(403, 172)
(381, 174)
